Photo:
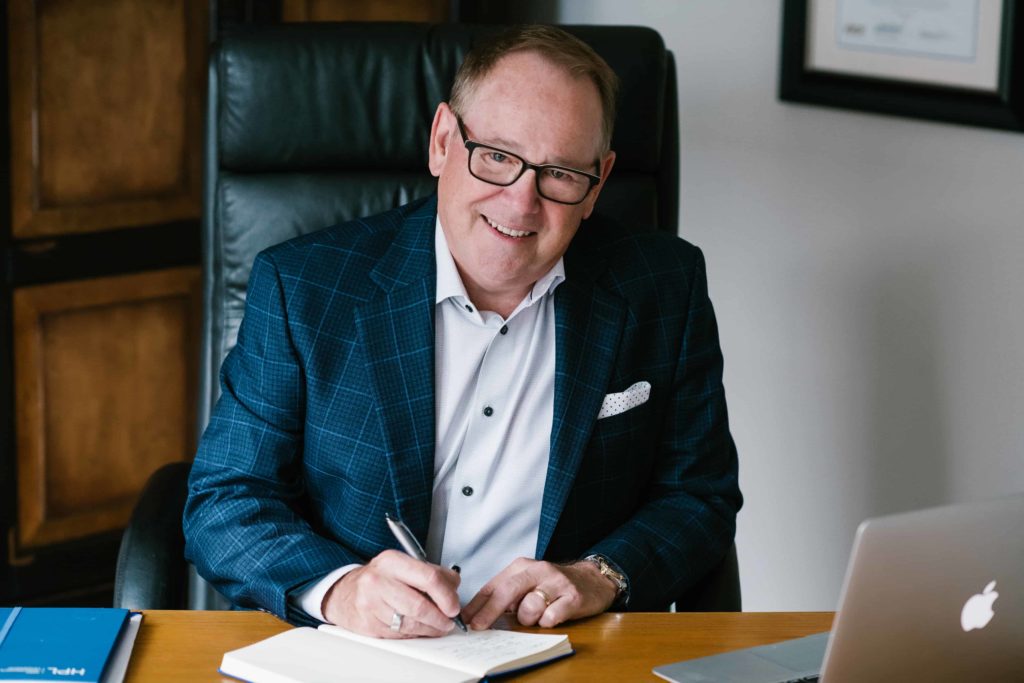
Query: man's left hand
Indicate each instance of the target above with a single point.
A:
(541, 593)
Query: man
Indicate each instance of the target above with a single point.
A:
(556, 427)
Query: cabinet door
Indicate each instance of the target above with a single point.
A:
(105, 113)
(105, 375)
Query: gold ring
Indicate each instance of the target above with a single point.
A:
(543, 596)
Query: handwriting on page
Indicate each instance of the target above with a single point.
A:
(474, 651)
(483, 647)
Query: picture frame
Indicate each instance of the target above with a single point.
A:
(976, 78)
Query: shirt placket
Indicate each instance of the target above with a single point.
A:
(485, 434)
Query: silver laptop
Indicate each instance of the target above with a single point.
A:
(933, 595)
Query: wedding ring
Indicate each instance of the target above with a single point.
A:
(543, 596)
(396, 622)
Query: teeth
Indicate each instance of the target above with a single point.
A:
(507, 231)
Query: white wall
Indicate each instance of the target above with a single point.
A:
(867, 273)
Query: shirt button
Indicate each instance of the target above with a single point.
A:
(504, 329)
(469, 308)
(488, 411)
(467, 490)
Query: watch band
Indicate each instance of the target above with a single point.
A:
(613, 574)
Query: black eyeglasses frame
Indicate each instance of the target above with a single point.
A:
(537, 168)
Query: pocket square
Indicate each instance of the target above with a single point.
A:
(624, 400)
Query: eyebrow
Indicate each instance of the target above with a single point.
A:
(509, 146)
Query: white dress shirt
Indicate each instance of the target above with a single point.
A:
(494, 407)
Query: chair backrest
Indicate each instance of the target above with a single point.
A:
(312, 124)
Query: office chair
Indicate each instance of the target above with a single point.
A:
(313, 124)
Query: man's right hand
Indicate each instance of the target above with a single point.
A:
(366, 599)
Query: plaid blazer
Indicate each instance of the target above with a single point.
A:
(326, 419)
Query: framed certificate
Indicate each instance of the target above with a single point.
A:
(960, 61)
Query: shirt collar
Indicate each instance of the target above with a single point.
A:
(449, 283)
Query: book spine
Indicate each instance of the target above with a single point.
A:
(9, 624)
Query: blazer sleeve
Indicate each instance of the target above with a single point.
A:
(243, 522)
(688, 519)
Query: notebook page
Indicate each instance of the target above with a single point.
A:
(476, 652)
(305, 655)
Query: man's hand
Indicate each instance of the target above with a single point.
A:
(541, 593)
(366, 599)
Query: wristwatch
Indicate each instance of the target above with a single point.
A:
(616, 577)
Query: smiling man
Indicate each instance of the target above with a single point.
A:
(536, 395)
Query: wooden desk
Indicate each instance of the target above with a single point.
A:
(187, 646)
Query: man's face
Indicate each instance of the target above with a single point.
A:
(536, 110)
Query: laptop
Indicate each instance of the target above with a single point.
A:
(932, 595)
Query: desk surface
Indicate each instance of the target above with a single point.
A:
(187, 646)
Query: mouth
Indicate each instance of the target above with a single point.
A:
(507, 231)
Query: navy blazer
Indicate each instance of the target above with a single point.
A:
(326, 418)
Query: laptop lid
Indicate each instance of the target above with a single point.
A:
(933, 595)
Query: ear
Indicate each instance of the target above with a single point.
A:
(440, 139)
(606, 168)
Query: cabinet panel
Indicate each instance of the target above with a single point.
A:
(105, 113)
(355, 10)
(105, 394)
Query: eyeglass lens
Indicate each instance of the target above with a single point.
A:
(503, 168)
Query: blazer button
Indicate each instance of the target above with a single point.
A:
(467, 490)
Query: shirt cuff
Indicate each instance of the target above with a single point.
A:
(311, 600)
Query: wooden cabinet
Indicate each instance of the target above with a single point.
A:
(100, 298)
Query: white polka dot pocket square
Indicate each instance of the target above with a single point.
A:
(624, 400)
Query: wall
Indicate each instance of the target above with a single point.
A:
(867, 275)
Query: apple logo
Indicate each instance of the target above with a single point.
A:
(977, 610)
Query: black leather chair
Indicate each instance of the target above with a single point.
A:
(312, 124)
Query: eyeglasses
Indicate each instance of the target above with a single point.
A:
(499, 167)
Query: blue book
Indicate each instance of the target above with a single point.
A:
(45, 644)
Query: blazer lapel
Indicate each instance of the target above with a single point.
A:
(588, 329)
(397, 332)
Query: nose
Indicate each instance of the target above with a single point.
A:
(523, 193)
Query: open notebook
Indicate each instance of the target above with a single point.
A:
(330, 653)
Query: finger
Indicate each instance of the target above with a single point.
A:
(473, 606)
(369, 596)
(408, 627)
(399, 605)
(533, 605)
(438, 583)
(418, 609)
(561, 609)
(497, 596)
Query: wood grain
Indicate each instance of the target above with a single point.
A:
(358, 10)
(106, 103)
(188, 646)
(105, 394)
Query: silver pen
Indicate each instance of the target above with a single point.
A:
(414, 550)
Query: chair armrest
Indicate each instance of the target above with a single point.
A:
(151, 568)
(718, 591)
